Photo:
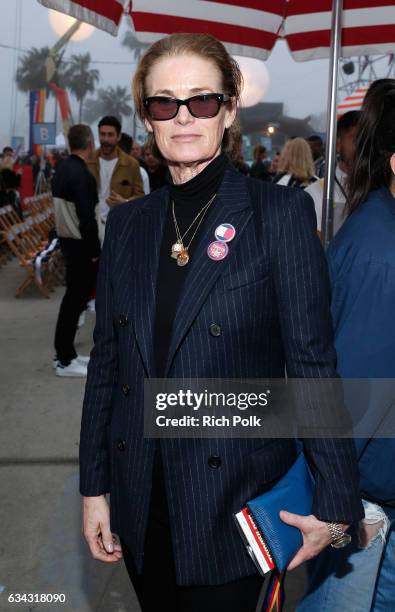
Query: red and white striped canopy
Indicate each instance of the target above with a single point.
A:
(368, 28)
(103, 14)
(249, 27)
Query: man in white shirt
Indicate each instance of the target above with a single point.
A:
(107, 167)
(117, 175)
(346, 132)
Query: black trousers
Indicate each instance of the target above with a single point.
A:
(80, 281)
(156, 587)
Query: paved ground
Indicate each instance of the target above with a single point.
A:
(41, 550)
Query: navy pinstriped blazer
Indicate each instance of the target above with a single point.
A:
(270, 297)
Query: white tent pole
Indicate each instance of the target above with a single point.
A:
(329, 181)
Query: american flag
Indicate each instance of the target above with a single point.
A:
(352, 102)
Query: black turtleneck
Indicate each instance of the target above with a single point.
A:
(189, 198)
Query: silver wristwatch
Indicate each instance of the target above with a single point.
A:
(339, 538)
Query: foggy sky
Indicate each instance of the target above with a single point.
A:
(302, 86)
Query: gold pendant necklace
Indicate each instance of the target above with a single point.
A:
(183, 258)
(178, 250)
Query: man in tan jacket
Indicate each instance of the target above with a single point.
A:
(117, 174)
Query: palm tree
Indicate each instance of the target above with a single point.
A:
(135, 46)
(31, 73)
(80, 78)
(93, 109)
(110, 101)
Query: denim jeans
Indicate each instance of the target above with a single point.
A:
(354, 579)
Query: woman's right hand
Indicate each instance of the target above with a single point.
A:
(96, 529)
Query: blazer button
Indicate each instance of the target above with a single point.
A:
(121, 444)
(123, 320)
(214, 462)
(215, 330)
(125, 390)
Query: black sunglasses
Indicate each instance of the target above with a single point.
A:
(203, 106)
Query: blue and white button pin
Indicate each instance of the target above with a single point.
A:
(225, 232)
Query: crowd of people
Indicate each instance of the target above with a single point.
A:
(123, 170)
(300, 163)
(23, 174)
(164, 309)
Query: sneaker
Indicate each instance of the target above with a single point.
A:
(75, 369)
(84, 359)
(81, 358)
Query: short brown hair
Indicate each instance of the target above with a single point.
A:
(80, 137)
(204, 46)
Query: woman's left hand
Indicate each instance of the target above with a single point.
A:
(315, 534)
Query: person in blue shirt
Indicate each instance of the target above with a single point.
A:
(361, 261)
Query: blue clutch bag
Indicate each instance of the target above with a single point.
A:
(272, 543)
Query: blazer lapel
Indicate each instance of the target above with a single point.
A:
(232, 206)
(147, 243)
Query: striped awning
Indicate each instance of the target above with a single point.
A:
(249, 27)
(368, 28)
(103, 14)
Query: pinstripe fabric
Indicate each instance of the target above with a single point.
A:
(270, 297)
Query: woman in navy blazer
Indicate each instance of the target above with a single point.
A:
(175, 300)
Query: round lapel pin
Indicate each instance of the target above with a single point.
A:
(225, 232)
(217, 250)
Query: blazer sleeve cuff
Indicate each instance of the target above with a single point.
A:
(347, 508)
(93, 481)
(88, 490)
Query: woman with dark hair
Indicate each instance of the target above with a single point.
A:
(212, 276)
(259, 169)
(236, 155)
(155, 168)
(362, 269)
(10, 182)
